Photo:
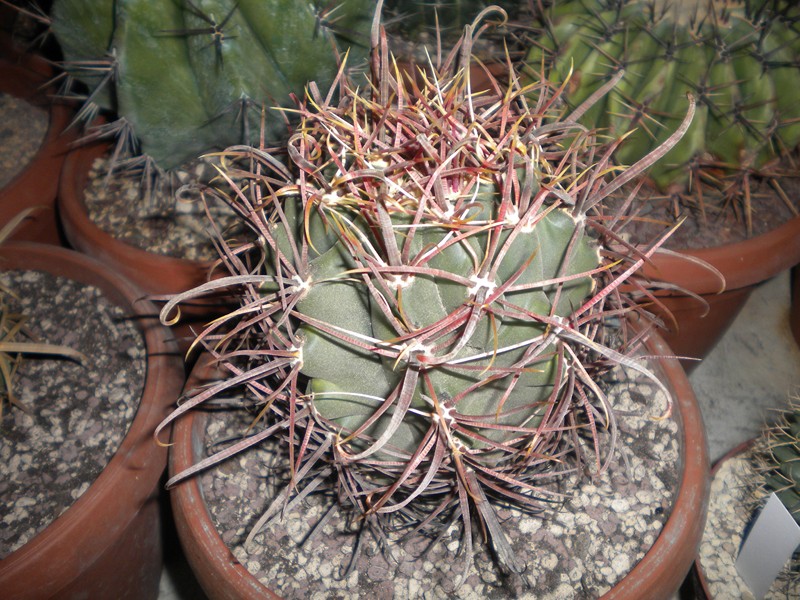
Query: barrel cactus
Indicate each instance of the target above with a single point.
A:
(422, 297)
(188, 76)
(739, 59)
(777, 462)
(779, 458)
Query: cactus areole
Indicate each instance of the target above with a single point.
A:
(739, 59)
(189, 76)
(422, 299)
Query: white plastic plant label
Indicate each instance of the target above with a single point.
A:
(771, 541)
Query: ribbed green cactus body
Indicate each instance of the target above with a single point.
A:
(782, 460)
(337, 370)
(184, 69)
(741, 64)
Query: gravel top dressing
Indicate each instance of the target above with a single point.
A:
(172, 222)
(735, 492)
(23, 128)
(577, 549)
(77, 414)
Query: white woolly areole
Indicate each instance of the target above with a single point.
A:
(479, 284)
(449, 213)
(331, 198)
(397, 282)
(378, 164)
(298, 356)
(560, 320)
(530, 225)
(447, 415)
(415, 347)
(512, 216)
(301, 286)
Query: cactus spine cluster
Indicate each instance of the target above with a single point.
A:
(422, 299)
(739, 59)
(188, 76)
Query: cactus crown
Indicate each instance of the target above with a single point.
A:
(739, 59)
(421, 305)
(189, 76)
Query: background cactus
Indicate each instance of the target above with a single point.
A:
(188, 76)
(779, 458)
(739, 59)
(422, 299)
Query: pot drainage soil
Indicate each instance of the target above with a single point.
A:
(578, 549)
(735, 496)
(23, 128)
(723, 225)
(77, 415)
(170, 222)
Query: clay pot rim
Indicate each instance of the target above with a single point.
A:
(68, 544)
(35, 81)
(28, 77)
(743, 264)
(737, 450)
(648, 579)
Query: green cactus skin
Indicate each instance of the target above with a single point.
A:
(423, 298)
(740, 62)
(333, 368)
(780, 459)
(181, 73)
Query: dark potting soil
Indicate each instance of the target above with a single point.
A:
(77, 414)
(23, 128)
(577, 549)
(721, 224)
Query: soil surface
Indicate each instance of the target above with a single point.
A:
(716, 222)
(168, 219)
(735, 499)
(77, 414)
(577, 549)
(23, 128)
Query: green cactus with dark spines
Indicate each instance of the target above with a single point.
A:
(779, 459)
(423, 299)
(334, 368)
(189, 76)
(739, 59)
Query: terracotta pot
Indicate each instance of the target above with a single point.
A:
(108, 543)
(744, 266)
(25, 76)
(657, 575)
(697, 584)
(155, 274)
(794, 314)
